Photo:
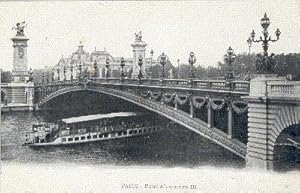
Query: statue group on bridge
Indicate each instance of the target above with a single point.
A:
(265, 64)
(138, 36)
(20, 28)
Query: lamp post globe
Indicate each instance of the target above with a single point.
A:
(265, 22)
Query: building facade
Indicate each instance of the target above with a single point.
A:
(82, 63)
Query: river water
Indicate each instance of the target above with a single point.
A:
(174, 157)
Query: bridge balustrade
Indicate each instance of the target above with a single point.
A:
(242, 86)
(283, 89)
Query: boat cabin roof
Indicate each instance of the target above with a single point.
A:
(98, 117)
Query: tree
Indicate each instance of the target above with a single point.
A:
(157, 70)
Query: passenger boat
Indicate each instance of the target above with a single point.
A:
(91, 128)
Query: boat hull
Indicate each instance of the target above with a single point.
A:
(95, 137)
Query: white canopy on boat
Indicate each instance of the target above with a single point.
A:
(98, 116)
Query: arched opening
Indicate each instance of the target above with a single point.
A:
(287, 149)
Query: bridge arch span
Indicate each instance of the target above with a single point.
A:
(282, 118)
(286, 154)
(196, 125)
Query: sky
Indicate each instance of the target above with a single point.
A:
(207, 28)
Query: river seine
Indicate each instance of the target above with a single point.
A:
(161, 162)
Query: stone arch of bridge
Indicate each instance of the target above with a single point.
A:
(280, 119)
(197, 126)
(286, 152)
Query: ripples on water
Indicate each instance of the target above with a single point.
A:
(175, 156)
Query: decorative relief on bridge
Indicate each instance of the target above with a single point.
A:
(168, 98)
(199, 102)
(181, 99)
(216, 104)
(239, 107)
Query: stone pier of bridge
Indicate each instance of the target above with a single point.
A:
(273, 106)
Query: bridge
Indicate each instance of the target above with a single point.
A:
(248, 118)
(265, 108)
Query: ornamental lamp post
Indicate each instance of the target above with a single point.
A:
(265, 64)
(122, 68)
(52, 75)
(30, 72)
(96, 69)
(140, 63)
(163, 61)
(178, 68)
(151, 53)
(65, 70)
(80, 71)
(192, 60)
(43, 77)
(249, 41)
(71, 72)
(47, 77)
(107, 67)
(58, 74)
(229, 59)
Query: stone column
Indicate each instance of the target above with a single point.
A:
(138, 48)
(20, 66)
(230, 122)
(192, 110)
(162, 98)
(176, 104)
(209, 115)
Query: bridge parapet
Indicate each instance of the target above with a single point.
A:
(243, 86)
(284, 89)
